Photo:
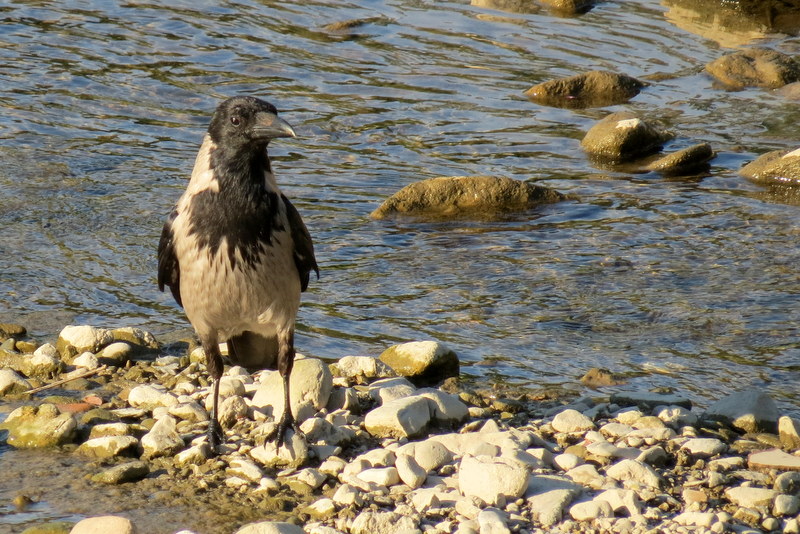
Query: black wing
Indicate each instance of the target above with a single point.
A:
(304, 258)
(169, 273)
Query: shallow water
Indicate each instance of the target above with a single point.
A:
(687, 283)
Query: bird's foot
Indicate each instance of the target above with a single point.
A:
(278, 435)
(215, 436)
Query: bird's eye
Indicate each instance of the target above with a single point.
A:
(236, 121)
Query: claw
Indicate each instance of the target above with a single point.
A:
(215, 436)
(278, 434)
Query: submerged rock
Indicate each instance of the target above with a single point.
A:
(761, 67)
(595, 88)
(622, 136)
(569, 7)
(445, 197)
(779, 167)
(683, 161)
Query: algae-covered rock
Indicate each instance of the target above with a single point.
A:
(39, 426)
(108, 446)
(447, 196)
(623, 136)
(779, 167)
(761, 67)
(137, 337)
(425, 363)
(127, 472)
(10, 330)
(595, 88)
(569, 7)
(53, 527)
(12, 383)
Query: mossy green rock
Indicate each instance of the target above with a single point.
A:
(425, 363)
(39, 426)
(465, 196)
(56, 527)
(119, 474)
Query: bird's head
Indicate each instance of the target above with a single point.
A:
(245, 122)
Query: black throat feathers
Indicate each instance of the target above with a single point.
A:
(243, 211)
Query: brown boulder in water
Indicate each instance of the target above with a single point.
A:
(595, 88)
(452, 196)
(760, 67)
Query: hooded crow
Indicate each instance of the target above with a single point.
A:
(235, 252)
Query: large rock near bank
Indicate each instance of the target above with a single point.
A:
(490, 478)
(401, 418)
(623, 136)
(779, 167)
(425, 363)
(479, 196)
(761, 67)
(74, 340)
(310, 385)
(748, 411)
(596, 88)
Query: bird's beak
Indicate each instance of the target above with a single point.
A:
(270, 126)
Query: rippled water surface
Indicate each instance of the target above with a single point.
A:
(689, 283)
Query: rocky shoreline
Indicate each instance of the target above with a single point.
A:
(381, 453)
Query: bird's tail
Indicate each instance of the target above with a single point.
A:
(253, 351)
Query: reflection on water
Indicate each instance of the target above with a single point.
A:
(104, 106)
(734, 24)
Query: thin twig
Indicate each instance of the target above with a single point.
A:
(57, 383)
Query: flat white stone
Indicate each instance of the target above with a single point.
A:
(572, 421)
(750, 497)
(704, 447)
(774, 459)
(490, 479)
(590, 510)
(634, 471)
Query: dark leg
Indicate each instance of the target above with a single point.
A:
(285, 364)
(214, 364)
